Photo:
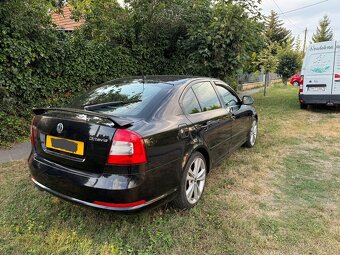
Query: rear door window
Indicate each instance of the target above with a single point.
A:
(190, 103)
(206, 96)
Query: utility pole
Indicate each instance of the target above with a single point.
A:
(304, 41)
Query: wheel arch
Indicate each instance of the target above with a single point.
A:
(201, 149)
(206, 155)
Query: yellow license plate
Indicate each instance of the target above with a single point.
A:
(65, 145)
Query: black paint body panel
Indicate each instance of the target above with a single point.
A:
(170, 137)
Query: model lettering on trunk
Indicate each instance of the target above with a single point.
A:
(97, 139)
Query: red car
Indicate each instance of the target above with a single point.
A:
(296, 79)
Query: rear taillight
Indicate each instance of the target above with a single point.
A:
(127, 149)
(33, 128)
(301, 84)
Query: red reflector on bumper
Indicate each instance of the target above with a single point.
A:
(133, 204)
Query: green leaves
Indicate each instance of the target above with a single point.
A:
(222, 44)
(275, 32)
(266, 59)
(41, 66)
(289, 63)
(323, 32)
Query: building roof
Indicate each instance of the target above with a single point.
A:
(63, 20)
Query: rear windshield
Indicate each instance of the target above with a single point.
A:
(122, 98)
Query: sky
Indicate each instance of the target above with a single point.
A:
(309, 17)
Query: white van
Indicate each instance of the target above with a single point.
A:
(321, 75)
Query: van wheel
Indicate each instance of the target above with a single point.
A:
(303, 106)
(192, 182)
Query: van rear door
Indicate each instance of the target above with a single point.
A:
(336, 76)
(318, 71)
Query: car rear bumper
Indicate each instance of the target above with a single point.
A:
(319, 99)
(105, 191)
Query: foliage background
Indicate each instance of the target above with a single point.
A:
(41, 66)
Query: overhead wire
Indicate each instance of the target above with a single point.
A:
(281, 12)
(285, 15)
(303, 7)
(294, 25)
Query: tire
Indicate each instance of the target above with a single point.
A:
(303, 106)
(295, 83)
(252, 135)
(192, 182)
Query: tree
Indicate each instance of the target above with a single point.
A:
(221, 45)
(268, 62)
(297, 44)
(198, 37)
(275, 32)
(289, 62)
(323, 31)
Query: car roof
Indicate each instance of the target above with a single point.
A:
(168, 79)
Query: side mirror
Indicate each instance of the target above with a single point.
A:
(247, 100)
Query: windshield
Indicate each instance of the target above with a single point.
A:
(122, 98)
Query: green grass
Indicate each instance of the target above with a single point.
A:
(281, 197)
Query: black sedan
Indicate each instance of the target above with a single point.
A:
(135, 142)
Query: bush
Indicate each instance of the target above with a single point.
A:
(289, 63)
(12, 129)
(41, 66)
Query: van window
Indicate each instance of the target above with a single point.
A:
(320, 63)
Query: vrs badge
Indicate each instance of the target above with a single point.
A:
(60, 128)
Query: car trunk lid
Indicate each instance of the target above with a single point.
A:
(75, 138)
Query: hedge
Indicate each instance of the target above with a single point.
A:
(42, 66)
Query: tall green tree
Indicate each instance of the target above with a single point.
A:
(289, 62)
(297, 44)
(275, 32)
(220, 44)
(268, 62)
(323, 32)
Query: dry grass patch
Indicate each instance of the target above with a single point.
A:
(281, 197)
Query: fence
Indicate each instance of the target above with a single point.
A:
(256, 77)
(254, 80)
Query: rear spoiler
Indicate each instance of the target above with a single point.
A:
(120, 121)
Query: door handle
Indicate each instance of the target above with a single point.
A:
(183, 131)
(207, 124)
(205, 127)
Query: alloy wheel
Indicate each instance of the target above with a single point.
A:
(253, 133)
(195, 180)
